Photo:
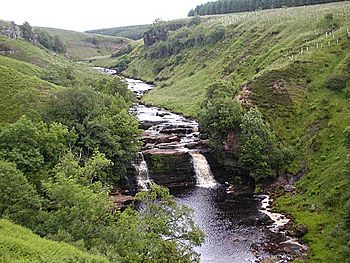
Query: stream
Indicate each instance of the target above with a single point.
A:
(238, 229)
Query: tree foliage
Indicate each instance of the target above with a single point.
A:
(19, 200)
(101, 122)
(53, 43)
(159, 229)
(31, 144)
(221, 113)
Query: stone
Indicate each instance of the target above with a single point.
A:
(9, 29)
(170, 167)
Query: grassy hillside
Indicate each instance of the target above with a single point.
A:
(283, 61)
(24, 51)
(132, 32)
(20, 93)
(21, 67)
(30, 74)
(18, 244)
(254, 43)
(81, 46)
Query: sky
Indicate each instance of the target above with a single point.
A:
(81, 15)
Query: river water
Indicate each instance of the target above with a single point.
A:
(237, 228)
(233, 225)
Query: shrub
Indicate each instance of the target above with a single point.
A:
(336, 81)
(216, 34)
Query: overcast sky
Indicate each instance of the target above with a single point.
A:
(81, 15)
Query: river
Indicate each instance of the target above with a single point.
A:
(238, 229)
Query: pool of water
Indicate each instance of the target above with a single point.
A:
(232, 225)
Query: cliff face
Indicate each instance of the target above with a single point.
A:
(170, 168)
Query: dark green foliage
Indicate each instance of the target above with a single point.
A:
(184, 38)
(101, 122)
(32, 144)
(336, 81)
(78, 208)
(234, 6)
(27, 32)
(255, 144)
(257, 149)
(121, 65)
(53, 43)
(161, 230)
(195, 21)
(58, 74)
(19, 200)
(216, 34)
(220, 114)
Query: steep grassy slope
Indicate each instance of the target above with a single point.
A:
(29, 74)
(18, 244)
(24, 51)
(20, 92)
(254, 43)
(82, 46)
(21, 87)
(282, 61)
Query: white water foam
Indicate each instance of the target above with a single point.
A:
(143, 180)
(279, 220)
(203, 172)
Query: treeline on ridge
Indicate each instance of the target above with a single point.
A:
(235, 6)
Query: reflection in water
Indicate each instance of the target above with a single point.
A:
(230, 225)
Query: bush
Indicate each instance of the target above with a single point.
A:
(215, 35)
(336, 81)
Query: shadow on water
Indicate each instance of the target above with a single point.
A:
(231, 225)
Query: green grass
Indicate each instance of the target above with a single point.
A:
(25, 51)
(20, 66)
(20, 93)
(83, 46)
(255, 43)
(18, 244)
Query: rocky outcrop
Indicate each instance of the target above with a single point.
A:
(9, 29)
(153, 36)
(159, 32)
(170, 168)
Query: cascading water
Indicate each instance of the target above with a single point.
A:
(143, 180)
(204, 176)
(230, 222)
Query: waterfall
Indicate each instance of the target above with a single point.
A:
(141, 168)
(201, 167)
